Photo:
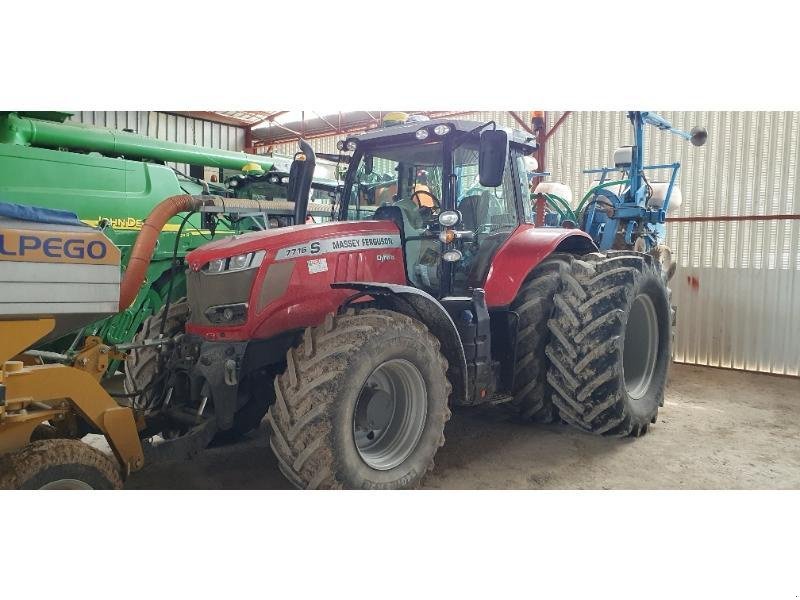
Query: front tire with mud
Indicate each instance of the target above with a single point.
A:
(59, 464)
(142, 368)
(610, 343)
(362, 404)
(142, 371)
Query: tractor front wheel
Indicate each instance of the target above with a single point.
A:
(362, 404)
(610, 343)
(58, 464)
(143, 364)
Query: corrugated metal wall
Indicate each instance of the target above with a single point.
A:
(323, 144)
(738, 283)
(173, 128)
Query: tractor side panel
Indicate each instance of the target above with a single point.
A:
(308, 295)
(526, 248)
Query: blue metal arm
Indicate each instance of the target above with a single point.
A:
(661, 123)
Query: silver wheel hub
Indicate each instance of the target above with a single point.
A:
(640, 349)
(66, 484)
(390, 414)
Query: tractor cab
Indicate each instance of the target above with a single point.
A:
(455, 189)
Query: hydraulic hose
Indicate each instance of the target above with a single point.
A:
(561, 206)
(591, 192)
(145, 244)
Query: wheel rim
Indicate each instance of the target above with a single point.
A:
(390, 414)
(66, 484)
(640, 348)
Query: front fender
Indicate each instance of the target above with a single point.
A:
(425, 308)
(522, 252)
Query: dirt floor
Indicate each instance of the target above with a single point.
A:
(719, 429)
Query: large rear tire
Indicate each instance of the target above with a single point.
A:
(362, 404)
(610, 343)
(534, 305)
(58, 464)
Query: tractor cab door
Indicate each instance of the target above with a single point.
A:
(489, 213)
(404, 184)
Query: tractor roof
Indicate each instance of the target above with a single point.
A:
(515, 136)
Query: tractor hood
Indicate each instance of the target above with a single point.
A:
(300, 241)
(282, 278)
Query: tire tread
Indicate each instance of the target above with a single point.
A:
(586, 332)
(306, 392)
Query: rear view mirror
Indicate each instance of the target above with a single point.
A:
(699, 136)
(492, 157)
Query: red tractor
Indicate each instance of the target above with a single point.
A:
(356, 337)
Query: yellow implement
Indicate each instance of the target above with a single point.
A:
(55, 277)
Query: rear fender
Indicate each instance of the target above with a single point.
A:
(425, 308)
(522, 252)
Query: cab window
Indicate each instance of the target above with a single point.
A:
(408, 176)
(483, 210)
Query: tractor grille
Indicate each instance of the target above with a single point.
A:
(207, 290)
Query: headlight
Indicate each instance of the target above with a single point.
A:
(237, 263)
(227, 314)
(452, 256)
(422, 134)
(346, 145)
(448, 218)
(240, 262)
(216, 266)
(441, 129)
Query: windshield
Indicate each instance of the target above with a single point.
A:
(411, 176)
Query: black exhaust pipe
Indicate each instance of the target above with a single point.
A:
(300, 176)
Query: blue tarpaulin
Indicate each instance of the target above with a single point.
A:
(24, 212)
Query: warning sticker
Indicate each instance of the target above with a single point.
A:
(318, 265)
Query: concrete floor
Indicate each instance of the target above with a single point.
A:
(719, 429)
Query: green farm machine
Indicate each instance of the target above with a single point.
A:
(113, 179)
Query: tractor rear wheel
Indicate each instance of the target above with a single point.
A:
(534, 305)
(610, 343)
(58, 464)
(362, 404)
